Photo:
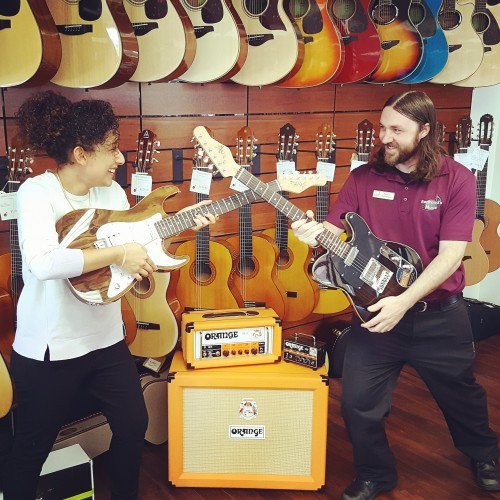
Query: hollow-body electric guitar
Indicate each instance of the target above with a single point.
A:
(365, 267)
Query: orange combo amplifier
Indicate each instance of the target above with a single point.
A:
(304, 350)
(255, 426)
(228, 337)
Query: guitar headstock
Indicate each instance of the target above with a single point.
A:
(20, 161)
(146, 150)
(201, 160)
(464, 132)
(245, 146)
(440, 132)
(485, 130)
(325, 143)
(287, 143)
(298, 182)
(365, 136)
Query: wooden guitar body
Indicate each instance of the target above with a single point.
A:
(30, 48)
(489, 237)
(475, 260)
(166, 39)
(7, 314)
(6, 391)
(485, 22)
(464, 44)
(424, 14)
(275, 44)
(323, 48)
(221, 45)
(256, 277)
(359, 37)
(99, 47)
(401, 43)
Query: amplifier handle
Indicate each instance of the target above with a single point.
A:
(305, 335)
(231, 314)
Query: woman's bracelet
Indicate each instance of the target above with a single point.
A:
(124, 255)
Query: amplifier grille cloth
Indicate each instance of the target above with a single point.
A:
(286, 414)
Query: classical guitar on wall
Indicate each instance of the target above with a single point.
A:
(365, 137)
(464, 44)
(99, 46)
(30, 48)
(221, 43)
(294, 256)
(254, 272)
(475, 259)
(401, 43)
(360, 39)
(330, 301)
(156, 325)
(275, 43)
(166, 39)
(423, 14)
(365, 267)
(323, 52)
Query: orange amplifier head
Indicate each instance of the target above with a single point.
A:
(228, 337)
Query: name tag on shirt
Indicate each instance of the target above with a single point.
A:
(383, 195)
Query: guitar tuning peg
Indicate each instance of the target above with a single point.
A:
(157, 144)
(154, 160)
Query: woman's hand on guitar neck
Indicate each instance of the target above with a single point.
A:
(201, 219)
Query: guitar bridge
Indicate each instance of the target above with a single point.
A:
(376, 275)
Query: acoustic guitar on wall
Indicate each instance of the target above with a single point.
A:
(30, 48)
(99, 46)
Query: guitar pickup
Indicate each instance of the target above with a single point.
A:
(376, 275)
(141, 29)
(74, 29)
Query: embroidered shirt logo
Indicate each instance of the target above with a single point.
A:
(432, 204)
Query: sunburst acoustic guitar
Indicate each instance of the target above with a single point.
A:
(166, 39)
(275, 43)
(254, 272)
(323, 51)
(330, 300)
(485, 21)
(401, 43)
(30, 48)
(359, 37)
(99, 46)
(423, 14)
(464, 44)
(294, 256)
(475, 260)
(221, 44)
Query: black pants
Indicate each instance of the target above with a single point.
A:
(44, 391)
(439, 346)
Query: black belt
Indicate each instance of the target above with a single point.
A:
(436, 305)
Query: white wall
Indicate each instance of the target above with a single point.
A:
(487, 100)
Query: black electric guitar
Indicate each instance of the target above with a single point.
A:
(365, 267)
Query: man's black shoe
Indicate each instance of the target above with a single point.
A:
(487, 475)
(363, 490)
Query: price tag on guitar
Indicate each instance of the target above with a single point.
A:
(8, 208)
(142, 184)
(326, 169)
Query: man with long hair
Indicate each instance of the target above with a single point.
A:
(411, 193)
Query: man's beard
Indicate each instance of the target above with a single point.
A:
(398, 155)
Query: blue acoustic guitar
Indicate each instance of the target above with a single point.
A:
(423, 14)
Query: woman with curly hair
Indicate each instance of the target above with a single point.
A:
(63, 345)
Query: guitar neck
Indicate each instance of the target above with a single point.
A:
(202, 238)
(322, 202)
(16, 265)
(481, 177)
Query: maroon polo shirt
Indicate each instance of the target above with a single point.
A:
(417, 213)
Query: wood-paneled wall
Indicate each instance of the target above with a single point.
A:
(173, 109)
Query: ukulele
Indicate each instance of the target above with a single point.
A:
(275, 43)
(294, 256)
(365, 267)
(166, 39)
(156, 326)
(359, 37)
(30, 48)
(99, 47)
(323, 51)
(485, 22)
(401, 43)
(487, 210)
(330, 301)
(254, 272)
(423, 14)
(475, 259)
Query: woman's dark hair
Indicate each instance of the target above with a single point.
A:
(418, 107)
(49, 121)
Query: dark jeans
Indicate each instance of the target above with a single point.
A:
(439, 346)
(44, 390)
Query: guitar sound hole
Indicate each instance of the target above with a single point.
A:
(417, 13)
(384, 14)
(255, 7)
(299, 8)
(247, 267)
(449, 20)
(283, 259)
(343, 10)
(480, 21)
(196, 4)
(203, 272)
(142, 287)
